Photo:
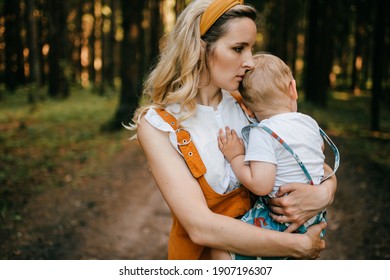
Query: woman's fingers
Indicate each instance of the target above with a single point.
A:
(292, 227)
(276, 210)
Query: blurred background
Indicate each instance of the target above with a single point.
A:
(72, 184)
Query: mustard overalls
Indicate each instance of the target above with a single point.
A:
(233, 204)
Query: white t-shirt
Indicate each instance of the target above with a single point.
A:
(301, 133)
(204, 127)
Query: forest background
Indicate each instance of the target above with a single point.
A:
(71, 73)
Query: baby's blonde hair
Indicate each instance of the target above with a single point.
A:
(267, 83)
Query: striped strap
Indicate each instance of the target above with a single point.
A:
(335, 152)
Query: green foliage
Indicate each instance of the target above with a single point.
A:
(51, 144)
(348, 117)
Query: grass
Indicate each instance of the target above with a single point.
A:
(52, 144)
(348, 113)
(348, 117)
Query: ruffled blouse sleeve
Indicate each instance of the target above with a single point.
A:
(157, 122)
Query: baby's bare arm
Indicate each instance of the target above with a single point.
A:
(257, 176)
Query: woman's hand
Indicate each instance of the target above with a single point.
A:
(296, 203)
(313, 244)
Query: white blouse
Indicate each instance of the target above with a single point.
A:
(203, 127)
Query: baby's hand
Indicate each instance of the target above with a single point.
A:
(230, 144)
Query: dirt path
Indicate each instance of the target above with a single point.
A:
(121, 215)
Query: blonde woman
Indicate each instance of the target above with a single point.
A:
(205, 57)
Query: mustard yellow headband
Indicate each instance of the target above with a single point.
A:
(214, 11)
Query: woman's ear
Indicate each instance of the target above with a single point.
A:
(293, 90)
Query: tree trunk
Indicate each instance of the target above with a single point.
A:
(283, 30)
(115, 46)
(156, 30)
(76, 60)
(319, 52)
(58, 86)
(34, 60)
(12, 38)
(360, 57)
(91, 49)
(34, 53)
(379, 43)
(107, 26)
(43, 34)
(21, 44)
(179, 6)
(131, 67)
(97, 46)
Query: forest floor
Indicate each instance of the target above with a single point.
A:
(120, 214)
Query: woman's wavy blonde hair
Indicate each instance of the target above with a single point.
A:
(175, 79)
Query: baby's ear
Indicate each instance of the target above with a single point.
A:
(293, 90)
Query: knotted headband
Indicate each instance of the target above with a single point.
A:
(214, 11)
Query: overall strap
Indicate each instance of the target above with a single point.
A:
(335, 152)
(237, 96)
(185, 145)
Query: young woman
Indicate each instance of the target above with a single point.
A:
(206, 57)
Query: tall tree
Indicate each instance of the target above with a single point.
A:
(379, 44)
(131, 62)
(75, 37)
(115, 46)
(278, 25)
(32, 34)
(97, 46)
(362, 25)
(43, 42)
(107, 61)
(34, 53)
(12, 39)
(156, 28)
(319, 52)
(58, 84)
(153, 30)
(91, 47)
(179, 6)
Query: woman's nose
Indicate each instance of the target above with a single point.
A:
(249, 63)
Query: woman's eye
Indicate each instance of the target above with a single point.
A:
(238, 49)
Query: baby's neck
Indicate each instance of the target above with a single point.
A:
(268, 113)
